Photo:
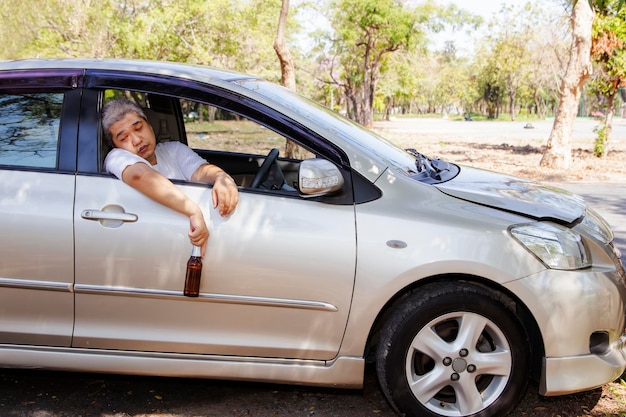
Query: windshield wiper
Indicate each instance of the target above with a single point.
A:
(432, 167)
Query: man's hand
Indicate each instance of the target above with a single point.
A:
(225, 194)
(154, 185)
(198, 231)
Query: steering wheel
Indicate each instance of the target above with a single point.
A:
(264, 170)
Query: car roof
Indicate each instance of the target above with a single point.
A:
(195, 72)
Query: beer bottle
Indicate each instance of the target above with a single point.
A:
(194, 273)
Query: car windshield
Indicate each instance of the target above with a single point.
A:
(336, 124)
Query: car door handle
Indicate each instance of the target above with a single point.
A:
(90, 214)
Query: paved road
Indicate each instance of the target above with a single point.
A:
(608, 199)
(583, 132)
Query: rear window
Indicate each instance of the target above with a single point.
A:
(29, 129)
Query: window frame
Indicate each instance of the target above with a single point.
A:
(96, 81)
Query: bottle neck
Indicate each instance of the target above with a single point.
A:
(196, 251)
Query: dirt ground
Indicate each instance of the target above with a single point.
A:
(511, 147)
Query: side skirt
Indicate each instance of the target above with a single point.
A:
(342, 372)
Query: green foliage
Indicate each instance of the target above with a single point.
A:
(509, 66)
(602, 6)
(609, 49)
(365, 33)
(373, 54)
(608, 53)
(599, 145)
(367, 30)
(226, 33)
(384, 41)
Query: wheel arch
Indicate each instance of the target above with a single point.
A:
(522, 312)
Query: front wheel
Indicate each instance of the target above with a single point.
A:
(453, 349)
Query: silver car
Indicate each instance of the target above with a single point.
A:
(460, 285)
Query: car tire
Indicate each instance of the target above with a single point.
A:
(453, 349)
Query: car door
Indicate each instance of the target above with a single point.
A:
(38, 127)
(277, 279)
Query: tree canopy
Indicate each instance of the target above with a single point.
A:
(608, 52)
(226, 33)
(357, 56)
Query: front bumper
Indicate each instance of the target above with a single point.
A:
(567, 375)
(569, 307)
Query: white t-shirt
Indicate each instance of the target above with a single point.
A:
(174, 161)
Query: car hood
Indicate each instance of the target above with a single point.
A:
(514, 195)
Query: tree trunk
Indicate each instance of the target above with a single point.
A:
(608, 124)
(288, 72)
(362, 97)
(367, 104)
(512, 105)
(540, 104)
(287, 67)
(558, 152)
(609, 119)
(388, 107)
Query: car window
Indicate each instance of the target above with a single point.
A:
(29, 129)
(237, 144)
(208, 127)
(215, 129)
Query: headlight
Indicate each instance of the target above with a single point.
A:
(556, 246)
(594, 225)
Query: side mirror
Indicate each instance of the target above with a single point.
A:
(318, 177)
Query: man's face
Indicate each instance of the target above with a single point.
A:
(135, 135)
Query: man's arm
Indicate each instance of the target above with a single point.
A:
(152, 184)
(225, 192)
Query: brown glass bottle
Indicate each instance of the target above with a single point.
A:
(194, 273)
